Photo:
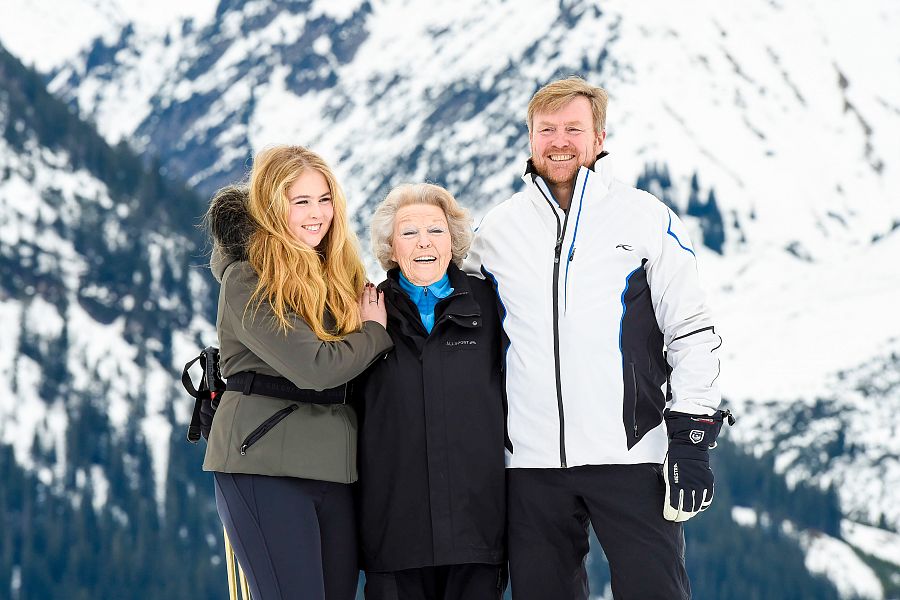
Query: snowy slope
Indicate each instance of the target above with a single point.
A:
(788, 112)
(836, 559)
(881, 544)
(848, 437)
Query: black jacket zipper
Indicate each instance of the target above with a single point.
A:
(267, 426)
(560, 235)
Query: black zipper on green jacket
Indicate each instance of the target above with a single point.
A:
(560, 235)
(267, 426)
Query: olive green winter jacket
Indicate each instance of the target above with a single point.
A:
(315, 441)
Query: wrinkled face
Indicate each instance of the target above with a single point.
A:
(311, 208)
(563, 141)
(421, 244)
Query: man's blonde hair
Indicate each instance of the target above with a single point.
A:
(557, 94)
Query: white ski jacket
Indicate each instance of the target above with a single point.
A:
(592, 297)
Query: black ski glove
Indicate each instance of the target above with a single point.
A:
(689, 480)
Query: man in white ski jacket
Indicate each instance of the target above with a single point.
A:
(604, 317)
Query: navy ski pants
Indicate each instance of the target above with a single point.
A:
(548, 512)
(294, 538)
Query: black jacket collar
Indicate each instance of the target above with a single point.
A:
(457, 305)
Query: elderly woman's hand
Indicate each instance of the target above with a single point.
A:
(371, 305)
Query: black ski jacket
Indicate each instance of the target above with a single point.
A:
(431, 485)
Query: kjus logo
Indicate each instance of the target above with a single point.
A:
(696, 436)
(625, 247)
(463, 343)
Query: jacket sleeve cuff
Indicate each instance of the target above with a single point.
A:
(692, 407)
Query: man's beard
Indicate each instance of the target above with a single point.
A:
(544, 168)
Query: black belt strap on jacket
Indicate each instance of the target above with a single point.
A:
(249, 382)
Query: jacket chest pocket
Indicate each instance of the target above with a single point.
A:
(462, 362)
(457, 348)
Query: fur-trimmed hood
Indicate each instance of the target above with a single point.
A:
(230, 225)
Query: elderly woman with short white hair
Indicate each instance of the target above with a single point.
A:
(431, 503)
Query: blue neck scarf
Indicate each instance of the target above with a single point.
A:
(426, 297)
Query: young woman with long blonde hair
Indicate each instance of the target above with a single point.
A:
(296, 321)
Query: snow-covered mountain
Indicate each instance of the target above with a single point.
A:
(773, 127)
(102, 285)
(95, 284)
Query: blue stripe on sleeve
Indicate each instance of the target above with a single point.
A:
(672, 233)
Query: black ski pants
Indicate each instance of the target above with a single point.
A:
(294, 538)
(474, 581)
(548, 512)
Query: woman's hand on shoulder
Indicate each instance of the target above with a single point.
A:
(371, 305)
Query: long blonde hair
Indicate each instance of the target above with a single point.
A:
(292, 276)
